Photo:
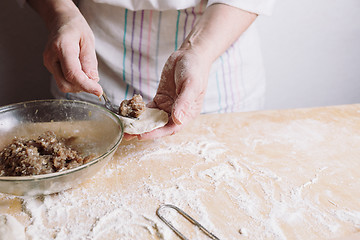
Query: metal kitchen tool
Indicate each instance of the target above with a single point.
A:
(111, 107)
(187, 217)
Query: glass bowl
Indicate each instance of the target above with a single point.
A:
(97, 131)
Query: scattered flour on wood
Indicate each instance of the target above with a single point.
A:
(83, 213)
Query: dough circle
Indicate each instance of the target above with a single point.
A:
(150, 119)
(11, 229)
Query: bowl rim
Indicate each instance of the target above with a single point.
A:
(71, 170)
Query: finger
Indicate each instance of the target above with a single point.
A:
(88, 61)
(72, 71)
(165, 94)
(151, 104)
(190, 94)
(129, 137)
(185, 110)
(167, 76)
(188, 103)
(53, 66)
(61, 82)
(169, 129)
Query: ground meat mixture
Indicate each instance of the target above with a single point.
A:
(133, 107)
(46, 154)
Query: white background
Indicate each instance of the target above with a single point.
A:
(311, 53)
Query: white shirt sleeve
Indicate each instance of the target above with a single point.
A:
(261, 7)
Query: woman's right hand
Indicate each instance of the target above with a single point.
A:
(70, 51)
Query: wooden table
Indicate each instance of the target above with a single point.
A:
(289, 174)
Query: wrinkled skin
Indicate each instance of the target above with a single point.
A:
(181, 91)
(70, 55)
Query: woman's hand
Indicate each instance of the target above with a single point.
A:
(184, 78)
(181, 91)
(70, 51)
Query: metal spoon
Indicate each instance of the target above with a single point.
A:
(111, 107)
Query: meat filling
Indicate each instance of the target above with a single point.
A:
(46, 154)
(133, 107)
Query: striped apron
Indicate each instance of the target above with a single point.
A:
(133, 46)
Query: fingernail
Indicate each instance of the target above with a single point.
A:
(179, 117)
(98, 93)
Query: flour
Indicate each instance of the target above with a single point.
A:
(81, 213)
(350, 216)
(10, 228)
(267, 199)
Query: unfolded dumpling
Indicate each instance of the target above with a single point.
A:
(150, 119)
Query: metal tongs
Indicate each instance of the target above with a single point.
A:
(112, 108)
(187, 217)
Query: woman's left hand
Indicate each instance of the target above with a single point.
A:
(184, 77)
(181, 91)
